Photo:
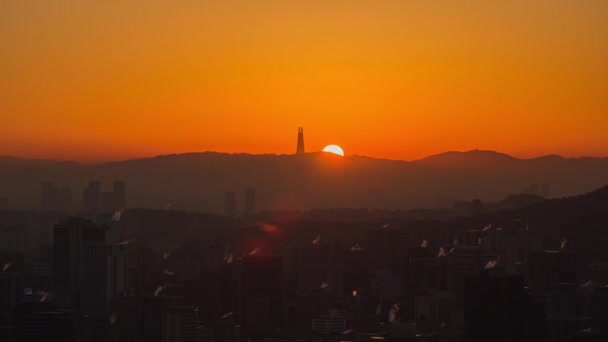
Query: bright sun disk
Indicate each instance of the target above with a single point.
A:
(335, 149)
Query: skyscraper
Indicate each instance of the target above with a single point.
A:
(261, 299)
(498, 308)
(179, 324)
(300, 149)
(11, 287)
(116, 199)
(547, 270)
(94, 201)
(312, 303)
(310, 266)
(89, 265)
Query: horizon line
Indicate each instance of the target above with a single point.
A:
(92, 163)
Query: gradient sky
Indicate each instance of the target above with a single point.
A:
(114, 79)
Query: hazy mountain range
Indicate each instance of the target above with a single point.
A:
(198, 181)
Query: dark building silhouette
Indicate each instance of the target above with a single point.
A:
(356, 270)
(498, 309)
(154, 315)
(386, 250)
(463, 262)
(300, 149)
(116, 199)
(331, 322)
(99, 327)
(262, 298)
(91, 199)
(596, 304)
(311, 303)
(11, 289)
(215, 291)
(90, 266)
(549, 269)
(311, 266)
(179, 324)
(433, 308)
(472, 237)
(224, 329)
(95, 202)
(146, 269)
(477, 207)
(37, 278)
(249, 201)
(589, 336)
(43, 322)
(423, 269)
(384, 284)
(230, 204)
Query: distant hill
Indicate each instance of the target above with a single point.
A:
(474, 158)
(198, 181)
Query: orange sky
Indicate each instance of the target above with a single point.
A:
(105, 80)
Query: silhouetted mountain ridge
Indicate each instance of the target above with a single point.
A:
(448, 156)
(10, 161)
(198, 181)
(469, 157)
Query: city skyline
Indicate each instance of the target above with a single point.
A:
(452, 185)
(319, 150)
(332, 148)
(142, 80)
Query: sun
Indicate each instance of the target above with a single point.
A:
(335, 149)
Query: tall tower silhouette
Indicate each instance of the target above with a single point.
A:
(300, 141)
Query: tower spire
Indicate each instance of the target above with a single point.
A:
(300, 149)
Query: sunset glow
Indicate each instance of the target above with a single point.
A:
(100, 81)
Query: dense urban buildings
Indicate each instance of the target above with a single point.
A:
(525, 269)
(95, 201)
(108, 279)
